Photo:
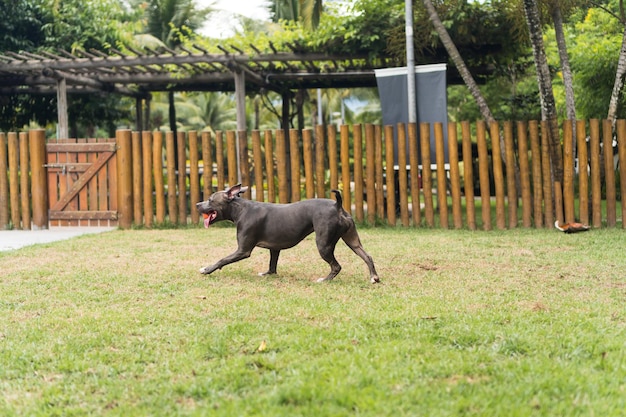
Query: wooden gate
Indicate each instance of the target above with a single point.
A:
(82, 184)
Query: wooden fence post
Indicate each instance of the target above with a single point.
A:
(244, 163)
(594, 162)
(307, 156)
(498, 175)
(231, 157)
(39, 184)
(281, 164)
(257, 158)
(357, 146)
(427, 176)
(621, 149)
(370, 176)
(269, 167)
(320, 172)
(524, 169)
(416, 209)
(483, 172)
(24, 180)
(219, 160)
(148, 211)
(455, 177)
(294, 150)
(333, 159)
(583, 174)
(170, 165)
(442, 193)
(403, 183)
(511, 186)
(568, 172)
(378, 157)
(159, 186)
(536, 155)
(137, 178)
(182, 177)
(345, 167)
(125, 177)
(390, 176)
(14, 180)
(4, 184)
(609, 173)
(194, 176)
(547, 175)
(468, 175)
(207, 166)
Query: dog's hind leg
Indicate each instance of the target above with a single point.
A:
(351, 237)
(273, 262)
(326, 247)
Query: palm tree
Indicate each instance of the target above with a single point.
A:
(307, 11)
(619, 75)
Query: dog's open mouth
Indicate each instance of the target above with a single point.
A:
(209, 217)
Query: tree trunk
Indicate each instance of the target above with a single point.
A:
(548, 106)
(619, 82)
(447, 42)
(568, 79)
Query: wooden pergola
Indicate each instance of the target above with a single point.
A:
(138, 73)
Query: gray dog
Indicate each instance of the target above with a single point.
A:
(282, 226)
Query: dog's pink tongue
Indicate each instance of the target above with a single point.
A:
(208, 218)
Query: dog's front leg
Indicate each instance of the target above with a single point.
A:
(234, 257)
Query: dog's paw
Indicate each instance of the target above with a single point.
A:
(375, 280)
(322, 279)
(204, 270)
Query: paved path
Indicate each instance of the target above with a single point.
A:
(15, 239)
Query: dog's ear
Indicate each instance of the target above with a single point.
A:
(235, 191)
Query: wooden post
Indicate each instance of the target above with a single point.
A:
(148, 211)
(194, 177)
(568, 172)
(483, 173)
(583, 174)
(511, 187)
(390, 176)
(39, 184)
(294, 159)
(62, 127)
(159, 186)
(219, 160)
(468, 175)
(333, 159)
(442, 192)
(524, 169)
(344, 136)
(14, 180)
(320, 172)
(403, 182)
(455, 177)
(609, 173)
(427, 175)
(535, 150)
(231, 157)
(24, 180)
(170, 166)
(4, 184)
(546, 175)
(137, 178)
(416, 209)
(621, 151)
(281, 164)
(181, 146)
(125, 177)
(307, 154)
(269, 166)
(207, 166)
(378, 158)
(244, 164)
(357, 146)
(596, 186)
(370, 176)
(257, 157)
(498, 174)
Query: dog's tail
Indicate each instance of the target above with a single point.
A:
(339, 203)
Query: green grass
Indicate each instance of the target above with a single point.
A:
(512, 323)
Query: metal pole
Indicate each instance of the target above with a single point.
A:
(410, 61)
